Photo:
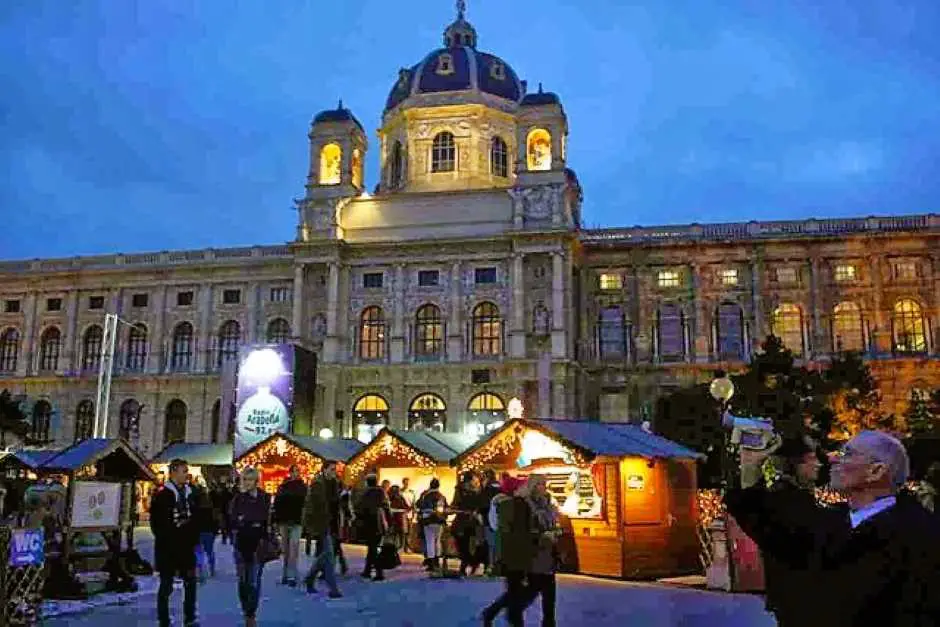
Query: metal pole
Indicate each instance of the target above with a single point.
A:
(105, 370)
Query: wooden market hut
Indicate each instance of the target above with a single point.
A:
(628, 497)
(210, 461)
(274, 456)
(418, 455)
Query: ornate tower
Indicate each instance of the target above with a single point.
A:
(337, 153)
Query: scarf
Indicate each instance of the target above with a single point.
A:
(544, 513)
(181, 512)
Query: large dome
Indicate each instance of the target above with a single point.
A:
(457, 67)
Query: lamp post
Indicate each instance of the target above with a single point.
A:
(720, 573)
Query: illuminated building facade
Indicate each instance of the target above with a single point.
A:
(463, 281)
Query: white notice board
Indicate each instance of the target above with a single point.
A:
(95, 504)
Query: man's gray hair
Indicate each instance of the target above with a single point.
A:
(888, 450)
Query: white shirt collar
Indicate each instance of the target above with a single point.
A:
(857, 517)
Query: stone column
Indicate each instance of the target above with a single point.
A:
(517, 327)
(253, 303)
(759, 330)
(297, 317)
(204, 334)
(455, 331)
(700, 329)
(331, 342)
(156, 332)
(397, 339)
(24, 363)
(69, 360)
(818, 345)
(881, 334)
(559, 341)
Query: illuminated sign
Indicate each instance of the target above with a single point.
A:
(536, 446)
(636, 482)
(265, 388)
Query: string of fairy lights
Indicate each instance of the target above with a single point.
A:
(280, 449)
(505, 443)
(385, 445)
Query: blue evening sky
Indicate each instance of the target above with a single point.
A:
(131, 125)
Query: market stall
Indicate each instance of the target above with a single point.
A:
(274, 456)
(627, 496)
(100, 477)
(210, 462)
(417, 455)
(18, 470)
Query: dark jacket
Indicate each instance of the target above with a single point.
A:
(516, 541)
(468, 502)
(250, 517)
(321, 509)
(175, 539)
(432, 508)
(791, 531)
(489, 491)
(206, 519)
(289, 502)
(373, 514)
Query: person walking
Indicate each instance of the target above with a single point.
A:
(513, 562)
(344, 533)
(432, 512)
(288, 515)
(176, 535)
(250, 514)
(545, 532)
(373, 513)
(466, 523)
(321, 522)
(208, 526)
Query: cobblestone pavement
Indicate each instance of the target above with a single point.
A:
(409, 599)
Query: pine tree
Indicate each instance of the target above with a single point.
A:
(918, 418)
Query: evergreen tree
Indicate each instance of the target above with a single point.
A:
(12, 418)
(918, 418)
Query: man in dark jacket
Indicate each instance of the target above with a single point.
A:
(176, 534)
(321, 522)
(373, 514)
(288, 515)
(878, 560)
(516, 553)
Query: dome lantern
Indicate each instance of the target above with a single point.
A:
(460, 32)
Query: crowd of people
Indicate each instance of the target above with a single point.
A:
(507, 527)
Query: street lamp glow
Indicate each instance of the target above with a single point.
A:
(326, 433)
(514, 409)
(721, 389)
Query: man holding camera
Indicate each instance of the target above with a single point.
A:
(876, 562)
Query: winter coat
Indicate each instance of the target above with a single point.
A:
(514, 535)
(206, 519)
(432, 508)
(545, 533)
(486, 499)
(373, 514)
(321, 509)
(250, 516)
(468, 503)
(175, 537)
(289, 502)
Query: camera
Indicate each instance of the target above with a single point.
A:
(755, 434)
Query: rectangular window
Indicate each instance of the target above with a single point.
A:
(279, 294)
(729, 276)
(373, 280)
(668, 278)
(96, 302)
(11, 306)
(184, 299)
(479, 377)
(231, 297)
(845, 273)
(484, 275)
(54, 304)
(905, 271)
(427, 278)
(786, 276)
(611, 281)
(140, 300)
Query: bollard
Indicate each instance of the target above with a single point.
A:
(718, 575)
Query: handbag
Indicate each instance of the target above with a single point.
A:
(388, 556)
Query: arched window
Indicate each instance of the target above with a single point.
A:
(216, 423)
(730, 331)
(847, 333)
(331, 164)
(278, 331)
(182, 356)
(84, 420)
(49, 346)
(487, 330)
(611, 333)
(137, 348)
(42, 420)
(372, 334)
(397, 167)
(443, 153)
(427, 411)
(788, 326)
(129, 419)
(357, 168)
(670, 332)
(230, 335)
(429, 332)
(539, 150)
(499, 157)
(541, 320)
(370, 414)
(9, 350)
(487, 413)
(910, 334)
(91, 348)
(174, 428)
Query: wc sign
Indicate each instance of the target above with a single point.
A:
(27, 547)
